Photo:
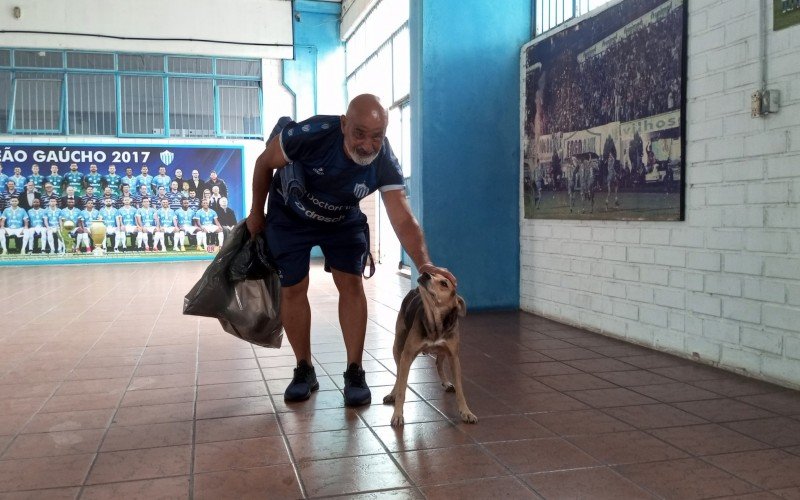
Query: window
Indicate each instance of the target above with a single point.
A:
(551, 13)
(236, 104)
(142, 99)
(37, 102)
(91, 104)
(128, 95)
(191, 107)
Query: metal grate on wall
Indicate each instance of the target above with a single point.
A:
(549, 14)
(129, 95)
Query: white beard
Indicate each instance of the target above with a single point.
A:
(359, 159)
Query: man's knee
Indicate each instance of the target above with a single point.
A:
(348, 284)
(295, 292)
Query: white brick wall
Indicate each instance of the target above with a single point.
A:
(722, 287)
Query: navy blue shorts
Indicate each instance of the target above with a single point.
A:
(290, 241)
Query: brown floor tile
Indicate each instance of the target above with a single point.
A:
(782, 403)
(499, 487)
(540, 455)
(788, 493)
(141, 415)
(162, 381)
(169, 488)
(148, 436)
(574, 382)
(240, 454)
(69, 421)
(597, 483)
(44, 472)
(777, 431)
(53, 444)
(549, 368)
(217, 408)
(148, 397)
(49, 494)
(303, 422)
(769, 469)
(448, 465)
(150, 463)
(544, 402)
(334, 444)
(570, 354)
(634, 378)
(228, 377)
(279, 480)
(599, 365)
(607, 398)
(234, 428)
(626, 447)
(235, 390)
(654, 360)
(571, 423)
(691, 373)
(423, 435)
(734, 386)
(687, 478)
(653, 416)
(340, 476)
(675, 392)
(708, 439)
(723, 410)
(505, 428)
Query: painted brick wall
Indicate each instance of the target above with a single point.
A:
(723, 287)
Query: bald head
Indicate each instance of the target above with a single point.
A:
(364, 128)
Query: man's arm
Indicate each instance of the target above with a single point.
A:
(409, 233)
(269, 160)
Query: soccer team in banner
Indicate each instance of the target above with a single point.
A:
(140, 212)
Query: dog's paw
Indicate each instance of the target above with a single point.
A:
(388, 399)
(397, 420)
(468, 417)
(448, 387)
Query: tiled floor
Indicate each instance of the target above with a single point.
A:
(107, 391)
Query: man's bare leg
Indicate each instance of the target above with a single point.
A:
(296, 319)
(352, 313)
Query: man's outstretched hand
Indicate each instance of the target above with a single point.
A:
(432, 269)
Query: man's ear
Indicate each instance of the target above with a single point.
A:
(343, 120)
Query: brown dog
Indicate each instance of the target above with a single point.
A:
(428, 323)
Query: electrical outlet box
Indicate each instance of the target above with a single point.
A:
(756, 100)
(770, 101)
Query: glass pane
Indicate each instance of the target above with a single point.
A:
(38, 59)
(401, 64)
(191, 107)
(92, 105)
(5, 98)
(141, 62)
(88, 60)
(37, 102)
(238, 67)
(405, 162)
(5, 58)
(142, 100)
(239, 110)
(194, 65)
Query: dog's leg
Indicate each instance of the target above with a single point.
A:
(397, 347)
(463, 410)
(448, 386)
(403, 367)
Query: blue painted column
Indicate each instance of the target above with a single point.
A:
(465, 106)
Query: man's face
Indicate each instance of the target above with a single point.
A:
(173, 185)
(162, 171)
(89, 190)
(143, 190)
(126, 202)
(206, 194)
(363, 138)
(14, 202)
(205, 203)
(126, 188)
(192, 194)
(108, 202)
(35, 169)
(162, 191)
(215, 190)
(223, 202)
(213, 176)
(73, 167)
(93, 168)
(17, 171)
(146, 203)
(53, 205)
(37, 203)
(129, 171)
(112, 169)
(48, 188)
(29, 186)
(184, 203)
(107, 191)
(70, 191)
(89, 205)
(70, 203)
(164, 204)
(54, 169)
(178, 173)
(144, 170)
(195, 174)
(11, 186)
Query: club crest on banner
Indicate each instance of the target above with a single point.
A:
(167, 157)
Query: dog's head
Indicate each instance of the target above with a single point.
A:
(442, 304)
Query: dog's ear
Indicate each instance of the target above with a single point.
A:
(462, 306)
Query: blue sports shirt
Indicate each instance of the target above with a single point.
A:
(128, 215)
(185, 217)
(72, 215)
(206, 218)
(15, 218)
(334, 183)
(36, 217)
(109, 216)
(147, 215)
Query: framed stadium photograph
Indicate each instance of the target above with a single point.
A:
(603, 115)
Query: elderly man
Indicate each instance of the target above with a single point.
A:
(343, 158)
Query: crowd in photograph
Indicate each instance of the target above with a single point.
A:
(53, 212)
(636, 77)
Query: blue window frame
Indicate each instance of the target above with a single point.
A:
(129, 95)
(549, 14)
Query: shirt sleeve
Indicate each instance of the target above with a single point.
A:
(390, 174)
